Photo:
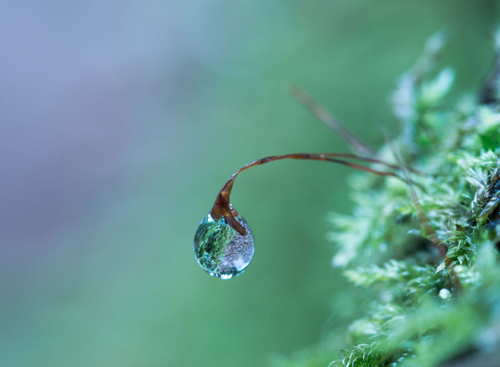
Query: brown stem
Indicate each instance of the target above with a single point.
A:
(355, 142)
(223, 208)
(421, 214)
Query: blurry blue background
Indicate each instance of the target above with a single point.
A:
(120, 122)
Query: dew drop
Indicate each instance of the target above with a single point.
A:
(445, 293)
(220, 250)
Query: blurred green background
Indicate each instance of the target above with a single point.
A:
(120, 122)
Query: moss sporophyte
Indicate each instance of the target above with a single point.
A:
(423, 242)
(224, 244)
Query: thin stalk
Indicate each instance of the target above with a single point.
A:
(223, 208)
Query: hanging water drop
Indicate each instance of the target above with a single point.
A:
(220, 250)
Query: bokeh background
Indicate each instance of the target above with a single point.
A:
(121, 120)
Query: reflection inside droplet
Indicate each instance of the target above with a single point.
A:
(220, 250)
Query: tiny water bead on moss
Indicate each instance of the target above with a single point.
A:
(220, 250)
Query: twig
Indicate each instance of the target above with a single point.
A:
(421, 214)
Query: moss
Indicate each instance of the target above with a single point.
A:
(426, 310)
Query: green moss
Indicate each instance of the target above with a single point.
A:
(211, 239)
(425, 310)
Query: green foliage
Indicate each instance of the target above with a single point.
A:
(400, 280)
(365, 355)
(425, 310)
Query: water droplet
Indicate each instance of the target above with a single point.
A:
(445, 293)
(220, 250)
